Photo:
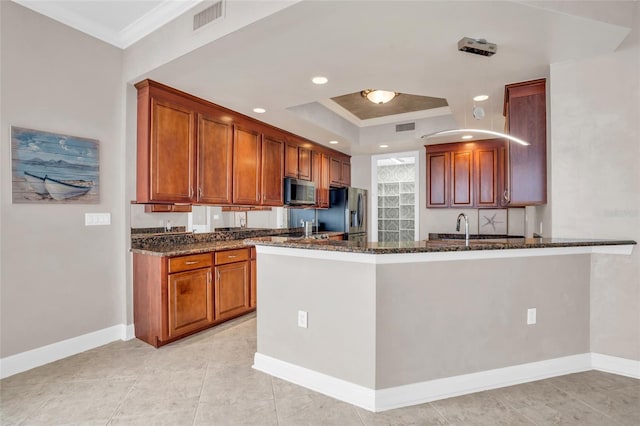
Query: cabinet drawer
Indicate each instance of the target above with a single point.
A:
(230, 256)
(186, 263)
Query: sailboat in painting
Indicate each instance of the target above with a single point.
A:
(58, 189)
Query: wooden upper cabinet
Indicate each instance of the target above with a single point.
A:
(246, 166)
(487, 172)
(340, 172)
(291, 160)
(526, 118)
(304, 163)
(438, 170)
(215, 161)
(272, 166)
(320, 176)
(171, 160)
(297, 161)
(461, 181)
(464, 174)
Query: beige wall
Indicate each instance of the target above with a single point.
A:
(443, 319)
(60, 279)
(381, 326)
(595, 105)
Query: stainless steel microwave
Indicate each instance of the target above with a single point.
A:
(299, 192)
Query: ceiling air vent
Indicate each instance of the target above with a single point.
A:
(405, 127)
(209, 14)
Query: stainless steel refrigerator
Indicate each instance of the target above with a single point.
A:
(347, 213)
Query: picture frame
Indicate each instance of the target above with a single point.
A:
(54, 168)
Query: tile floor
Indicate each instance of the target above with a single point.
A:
(207, 379)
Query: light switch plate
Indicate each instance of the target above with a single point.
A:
(531, 316)
(97, 219)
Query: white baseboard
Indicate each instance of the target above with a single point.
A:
(24, 361)
(336, 388)
(615, 365)
(418, 393)
(432, 390)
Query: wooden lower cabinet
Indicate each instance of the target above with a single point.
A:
(177, 296)
(190, 301)
(232, 289)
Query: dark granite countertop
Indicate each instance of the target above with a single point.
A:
(425, 246)
(180, 244)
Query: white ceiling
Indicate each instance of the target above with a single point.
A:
(408, 47)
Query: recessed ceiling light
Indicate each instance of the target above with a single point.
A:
(334, 142)
(319, 79)
(384, 146)
(467, 137)
(480, 98)
(259, 110)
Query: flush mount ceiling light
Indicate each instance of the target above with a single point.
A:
(334, 142)
(481, 131)
(378, 96)
(480, 98)
(319, 79)
(259, 110)
(384, 146)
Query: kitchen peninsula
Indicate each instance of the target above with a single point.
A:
(386, 325)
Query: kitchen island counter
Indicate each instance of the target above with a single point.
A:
(387, 325)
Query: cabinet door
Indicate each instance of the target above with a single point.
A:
(172, 152)
(486, 176)
(461, 175)
(335, 172)
(325, 181)
(316, 174)
(304, 163)
(190, 301)
(246, 166)
(438, 179)
(232, 290)
(272, 171)
(215, 156)
(291, 160)
(526, 119)
(346, 173)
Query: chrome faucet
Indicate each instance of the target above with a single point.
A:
(466, 227)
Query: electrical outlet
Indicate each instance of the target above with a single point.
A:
(531, 316)
(302, 319)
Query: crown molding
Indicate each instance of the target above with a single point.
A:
(151, 21)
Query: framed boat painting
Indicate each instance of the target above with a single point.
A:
(53, 168)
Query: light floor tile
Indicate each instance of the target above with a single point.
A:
(208, 379)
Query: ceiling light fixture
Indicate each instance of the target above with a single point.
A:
(483, 132)
(384, 146)
(259, 110)
(480, 98)
(378, 96)
(319, 80)
(467, 137)
(334, 142)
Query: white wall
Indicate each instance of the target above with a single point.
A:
(595, 110)
(59, 278)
